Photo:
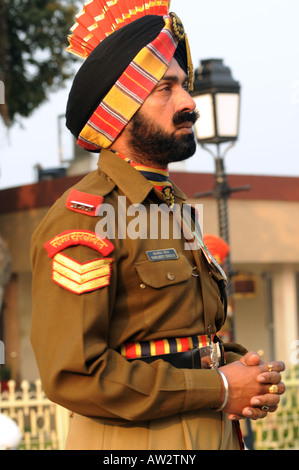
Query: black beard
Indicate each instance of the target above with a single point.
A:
(152, 145)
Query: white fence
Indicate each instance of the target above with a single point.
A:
(280, 430)
(42, 423)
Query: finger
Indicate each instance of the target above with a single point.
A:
(254, 413)
(269, 400)
(251, 359)
(277, 389)
(269, 377)
(272, 409)
(234, 417)
(274, 389)
(277, 366)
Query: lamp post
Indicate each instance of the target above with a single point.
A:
(217, 96)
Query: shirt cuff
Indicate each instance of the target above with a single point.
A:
(203, 388)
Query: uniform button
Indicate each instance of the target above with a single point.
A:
(170, 276)
(142, 286)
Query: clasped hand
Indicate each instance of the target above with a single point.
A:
(254, 387)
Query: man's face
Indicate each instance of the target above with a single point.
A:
(162, 130)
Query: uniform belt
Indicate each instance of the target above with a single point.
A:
(196, 352)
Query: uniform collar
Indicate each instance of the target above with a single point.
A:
(130, 181)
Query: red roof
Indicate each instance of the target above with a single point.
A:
(45, 193)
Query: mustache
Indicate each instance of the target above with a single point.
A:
(183, 116)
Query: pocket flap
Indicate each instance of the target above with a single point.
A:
(164, 273)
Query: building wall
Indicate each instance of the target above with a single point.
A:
(261, 231)
(253, 314)
(16, 230)
(264, 238)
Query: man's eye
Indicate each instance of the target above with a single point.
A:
(166, 88)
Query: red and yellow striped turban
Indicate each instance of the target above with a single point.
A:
(122, 65)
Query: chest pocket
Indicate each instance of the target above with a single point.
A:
(167, 292)
(164, 273)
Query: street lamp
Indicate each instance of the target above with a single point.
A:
(217, 96)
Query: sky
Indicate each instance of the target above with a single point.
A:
(257, 40)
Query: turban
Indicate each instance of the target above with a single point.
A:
(119, 74)
(218, 248)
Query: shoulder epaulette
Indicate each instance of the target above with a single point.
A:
(83, 203)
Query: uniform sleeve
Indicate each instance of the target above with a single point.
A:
(233, 352)
(70, 337)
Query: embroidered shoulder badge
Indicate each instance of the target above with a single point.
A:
(83, 203)
(72, 275)
(78, 237)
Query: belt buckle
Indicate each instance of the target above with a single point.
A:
(209, 356)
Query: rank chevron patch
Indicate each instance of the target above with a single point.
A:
(80, 278)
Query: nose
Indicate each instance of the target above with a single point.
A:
(185, 101)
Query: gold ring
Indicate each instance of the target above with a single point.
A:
(273, 389)
(270, 367)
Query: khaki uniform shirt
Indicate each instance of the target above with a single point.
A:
(77, 336)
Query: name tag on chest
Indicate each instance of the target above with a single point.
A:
(162, 255)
